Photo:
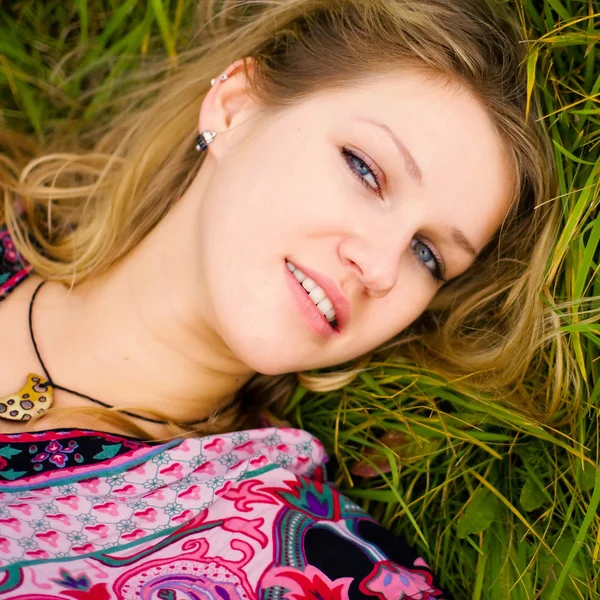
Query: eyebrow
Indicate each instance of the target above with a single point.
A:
(461, 240)
(414, 171)
(410, 164)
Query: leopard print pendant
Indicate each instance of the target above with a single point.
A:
(36, 396)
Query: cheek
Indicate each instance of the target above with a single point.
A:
(246, 229)
(387, 317)
(262, 202)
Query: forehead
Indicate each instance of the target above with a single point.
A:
(466, 166)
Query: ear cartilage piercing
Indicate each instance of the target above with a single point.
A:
(222, 77)
(204, 139)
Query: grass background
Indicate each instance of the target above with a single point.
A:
(503, 507)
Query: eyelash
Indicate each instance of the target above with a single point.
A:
(440, 267)
(349, 156)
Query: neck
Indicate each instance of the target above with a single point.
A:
(131, 337)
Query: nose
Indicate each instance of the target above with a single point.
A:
(375, 264)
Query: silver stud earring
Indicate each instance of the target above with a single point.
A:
(204, 139)
(222, 77)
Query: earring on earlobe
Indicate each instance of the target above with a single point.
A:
(204, 139)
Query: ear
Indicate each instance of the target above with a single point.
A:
(227, 103)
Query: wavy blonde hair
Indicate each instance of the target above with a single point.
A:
(84, 210)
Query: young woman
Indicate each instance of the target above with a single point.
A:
(311, 182)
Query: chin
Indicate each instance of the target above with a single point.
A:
(259, 349)
(273, 355)
(269, 360)
(271, 340)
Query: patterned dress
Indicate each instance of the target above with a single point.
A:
(245, 515)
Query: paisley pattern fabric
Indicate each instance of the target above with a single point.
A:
(245, 515)
(236, 516)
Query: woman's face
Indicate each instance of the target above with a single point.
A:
(379, 192)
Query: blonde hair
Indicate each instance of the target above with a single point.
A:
(84, 210)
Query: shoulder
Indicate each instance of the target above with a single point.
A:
(13, 266)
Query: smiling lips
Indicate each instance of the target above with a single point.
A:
(315, 293)
(323, 306)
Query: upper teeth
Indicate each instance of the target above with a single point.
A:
(315, 293)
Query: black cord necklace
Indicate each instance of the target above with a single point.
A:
(37, 395)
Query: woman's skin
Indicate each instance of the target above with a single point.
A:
(205, 300)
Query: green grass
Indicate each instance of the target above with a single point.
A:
(503, 507)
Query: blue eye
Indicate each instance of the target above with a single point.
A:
(428, 258)
(362, 170)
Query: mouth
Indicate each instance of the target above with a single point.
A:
(323, 305)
